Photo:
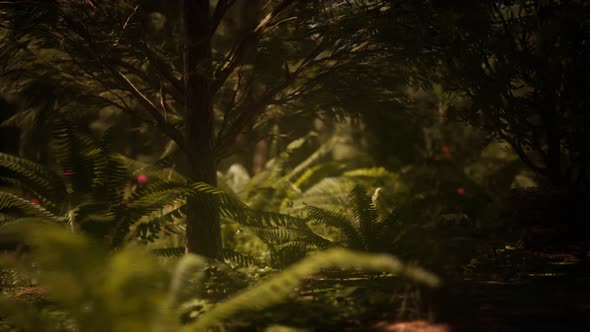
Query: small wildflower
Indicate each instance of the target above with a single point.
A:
(142, 178)
(68, 172)
(461, 191)
(35, 201)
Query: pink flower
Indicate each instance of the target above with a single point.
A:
(68, 172)
(142, 179)
(35, 201)
(461, 191)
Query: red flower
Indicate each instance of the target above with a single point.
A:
(445, 149)
(142, 179)
(68, 172)
(461, 191)
(35, 201)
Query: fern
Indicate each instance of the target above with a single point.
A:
(169, 252)
(127, 289)
(285, 254)
(33, 178)
(10, 202)
(87, 195)
(369, 173)
(340, 222)
(73, 151)
(275, 235)
(278, 287)
(239, 259)
(151, 227)
(290, 189)
(364, 213)
(190, 269)
(367, 231)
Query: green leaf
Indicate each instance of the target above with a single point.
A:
(278, 287)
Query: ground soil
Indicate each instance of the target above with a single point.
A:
(551, 293)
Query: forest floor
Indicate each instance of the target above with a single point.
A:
(529, 292)
(548, 293)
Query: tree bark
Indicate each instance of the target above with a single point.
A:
(203, 230)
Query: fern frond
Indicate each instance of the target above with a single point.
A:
(316, 156)
(285, 254)
(272, 172)
(270, 219)
(151, 188)
(72, 151)
(239, 259)
(327, 192)
(35, 177)
(371, 173)
(157, 199)
(386, 232)
(275, 235)
(110, 174)
(338, 221)
(10, 202)
(278, 287)
(162, 169)
(317, 172)
(365, 212)
(42, 197)
(158, 223)
(189, 268)
(391, 224)
(169, 252)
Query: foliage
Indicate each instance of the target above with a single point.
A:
(366, 231)
(127, 291)
(84, 192)
(90, 193)
(94, 291)
(286, 184)
(522, 68)
(274, 289)
(127, 56)
(91, 199)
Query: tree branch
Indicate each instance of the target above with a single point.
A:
(523, 156)
(166, 71)
(238, 52)
(218, 14)
(155, 112)
(253, 109)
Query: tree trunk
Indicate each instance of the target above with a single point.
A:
(203, 230)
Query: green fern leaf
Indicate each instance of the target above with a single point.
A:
(338, 221)
(365, 213)
(189, 268)
(35, 177)
(239, 259)
(169, 252)
(12, 202)
(278, 287)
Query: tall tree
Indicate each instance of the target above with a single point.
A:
(125, 55)
(523, 67)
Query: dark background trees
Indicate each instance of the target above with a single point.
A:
(522, 66)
